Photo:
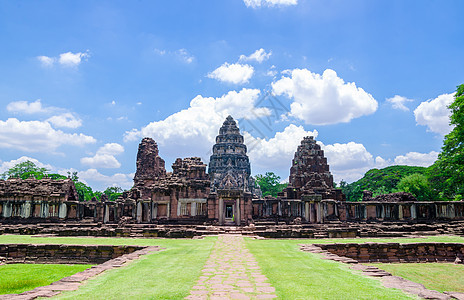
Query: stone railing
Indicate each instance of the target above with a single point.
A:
(76, 254)
(395, 252)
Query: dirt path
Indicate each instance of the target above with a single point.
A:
(231, 272)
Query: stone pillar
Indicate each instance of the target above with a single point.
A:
(155, 210)
(139, 212)
(62, 211)
(413, 212)
(26, 211)
(306, 215)
(400, 212)
(318, 212)
(451, 211)
(169, 211)
(106, 214)
(45, 211)
(193, 209)
(7, 210)
(237, 217)
(221, 211)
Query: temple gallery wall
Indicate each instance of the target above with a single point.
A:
(222, 193)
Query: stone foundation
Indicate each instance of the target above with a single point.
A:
(396, 252)
(62, 254)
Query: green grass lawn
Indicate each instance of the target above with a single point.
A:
(434, 276)
(170, 274)
(18, 278)
(301, 275)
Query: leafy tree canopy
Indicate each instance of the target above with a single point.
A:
(24, 170)
(447, 173)
(378, 181)
(270, 184)
(418, 185)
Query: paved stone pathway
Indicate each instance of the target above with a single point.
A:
(231, 272)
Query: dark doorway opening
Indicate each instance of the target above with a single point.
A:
(229, 212)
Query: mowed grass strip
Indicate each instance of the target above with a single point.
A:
(301, 275)
(434, 276)
(168, 274)
(18, 278)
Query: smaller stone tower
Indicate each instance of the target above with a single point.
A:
(150, 165)
(310, 172)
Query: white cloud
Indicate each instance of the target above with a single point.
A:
(65, 120)
(67, 59)
(277, 152)
(185, 56)
(104, 158)
(259, 56)
(100, 181)
(6, 165)
(398, 102)
(193, 130)
(181, 54)
(26, 107)
(272, 71)
(70, 59)
(46, 61)
(324, 99)
(37, 136)
(417, 159)
(259, 3)
(435, 114)
(160, 52)
(232, 73)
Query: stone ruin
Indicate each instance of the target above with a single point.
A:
(225, 194)
(229, 165)
(150, 166)
(310, 174)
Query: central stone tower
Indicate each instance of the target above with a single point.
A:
(231, 183)
(229, 166)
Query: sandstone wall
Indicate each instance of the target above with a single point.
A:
(395, 252)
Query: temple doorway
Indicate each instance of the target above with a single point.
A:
(229, 212)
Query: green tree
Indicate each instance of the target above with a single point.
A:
(418, 185)
(113, 192)
(270, 184)
(84, 191)
(24, 170)
(447, 173)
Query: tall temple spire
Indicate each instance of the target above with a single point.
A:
(229, 165)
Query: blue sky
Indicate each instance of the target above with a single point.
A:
(81, 82)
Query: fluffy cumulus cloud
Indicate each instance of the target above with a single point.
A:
(260, 3)
(193, 130)
(67, 120)
(435, 114)
(37, 136)
(26, 107)
(232, 73)
(61, 117)
(324, 99)
(277, 152)
(350, 161)
(46, 61)
(99, 181)
(6, 165)
(417, 159)
(259, 56)
(67, 59)
(105, 157)
(398, 102)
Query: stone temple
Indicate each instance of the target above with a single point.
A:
(223, 193)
